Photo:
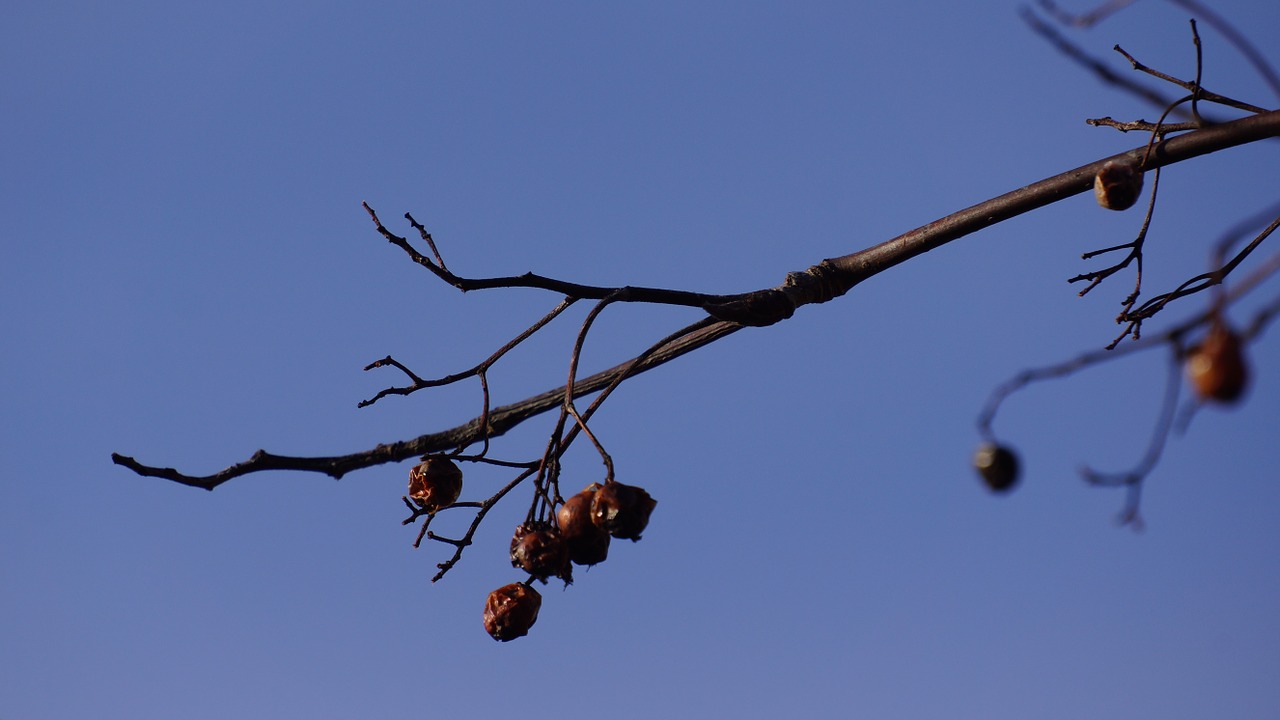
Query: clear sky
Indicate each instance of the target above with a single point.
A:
(188, 277)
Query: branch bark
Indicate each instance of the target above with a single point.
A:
(827, 280)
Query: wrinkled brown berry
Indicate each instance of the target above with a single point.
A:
(997, 465)
(621, 510)
(1217, 366)
(587, 543)
(1118, 185)
(538, 549)
(510, 611)
(435, 483)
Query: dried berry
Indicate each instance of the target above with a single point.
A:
(587, 543)
(621, 510)
(997, 465)
(539, 549)
(1118, 185)
(1217, 367)
(510, 611)
(435, 483)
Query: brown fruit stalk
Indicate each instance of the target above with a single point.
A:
(510, 611)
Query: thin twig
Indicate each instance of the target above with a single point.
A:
(1135, 247)
(1192, 85)
(1134, 478)
(1236, 40)
(1093, 64)
(478, 370)
(461, 544)
(656, 296)
(1172, 334)
(1088, 19)
(1200, 282)
(1143, 125)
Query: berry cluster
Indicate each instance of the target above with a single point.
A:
(578, 533)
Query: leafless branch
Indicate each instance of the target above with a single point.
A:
(573, 290)
(1236, 40)
(1198, 283)
(728, 314)
(477, 371)
(1174, 338)
(1094, 65)
(1172, 334)
(1135, 247)
(1233, 36)
(1088, 19)
(1134, 478)
(1199, 93)
(1142, 125)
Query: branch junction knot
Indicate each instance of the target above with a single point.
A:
(817, 284)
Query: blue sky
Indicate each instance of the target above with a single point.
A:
(189, 277)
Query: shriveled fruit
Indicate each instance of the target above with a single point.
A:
(587, 543)
(539, 549)
(621, 510)
(434, 483)
(998, 466)
(510, 611)
(1118, 185)
(1217, 367)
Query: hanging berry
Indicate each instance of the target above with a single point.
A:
(998, 466)
(1216, 367)
(1118, 184)
(510, 611)
(622, 510)
(434, 483)
(540, 550)
(587, 543)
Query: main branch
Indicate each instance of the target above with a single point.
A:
(829, 279)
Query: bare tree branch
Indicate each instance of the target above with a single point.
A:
(829, 279)
(1236, 39)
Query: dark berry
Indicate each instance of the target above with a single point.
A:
(997, 465)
